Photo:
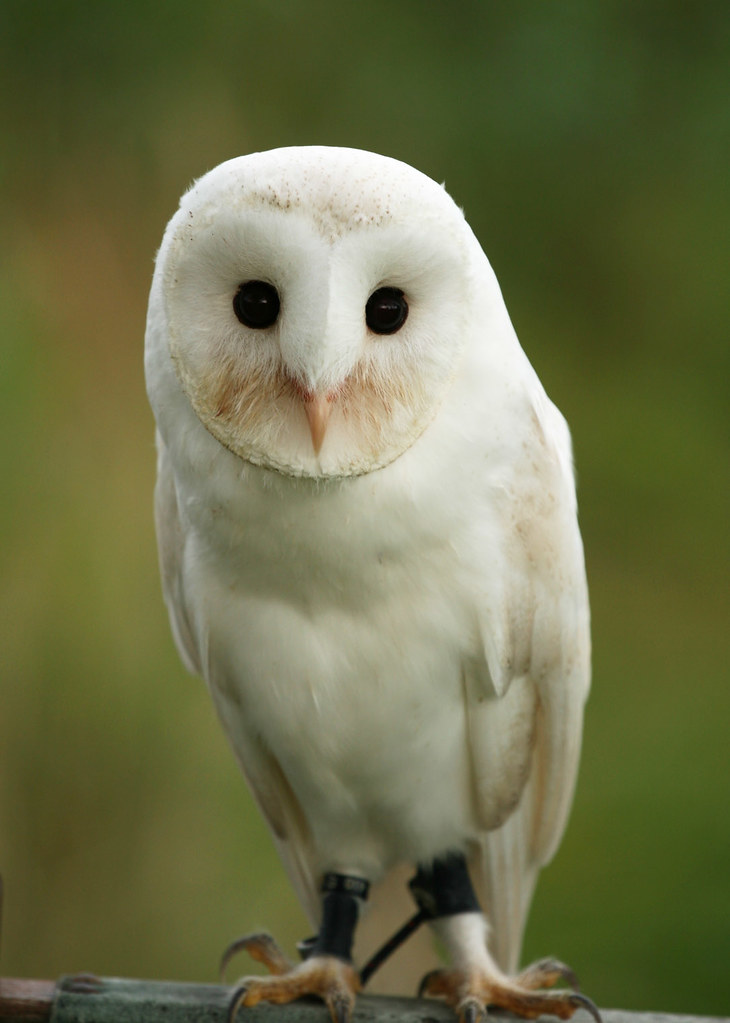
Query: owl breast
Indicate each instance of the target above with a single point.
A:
(348, 661)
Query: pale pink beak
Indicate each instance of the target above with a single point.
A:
(318, 408)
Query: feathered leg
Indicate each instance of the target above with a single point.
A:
(327, 971)
(474, 981)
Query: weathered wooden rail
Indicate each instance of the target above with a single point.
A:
(84, 998)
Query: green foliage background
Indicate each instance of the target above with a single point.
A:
(589, 145)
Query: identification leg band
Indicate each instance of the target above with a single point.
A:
(342, 895)
(444, 887)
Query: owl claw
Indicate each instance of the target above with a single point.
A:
(583, 1002)
(260, 947)
(471, 1010)
(547, 972)
(429, 984)
(237, 1000)
(340, 1006)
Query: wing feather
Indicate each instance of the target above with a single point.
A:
(535, 629)
(171, 545)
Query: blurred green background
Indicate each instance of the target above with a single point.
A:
(589, 144)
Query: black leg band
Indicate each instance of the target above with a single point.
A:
(444, 887)
(341, 898)
(346, 884)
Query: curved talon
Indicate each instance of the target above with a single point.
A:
(237, 1000)
(423, 984)
(432, 983)
(471, 1011)
(547, 972)
(260, 947)
(340, 1007)
(564, 972)
(584, 1002)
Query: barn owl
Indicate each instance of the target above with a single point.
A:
(369, 549)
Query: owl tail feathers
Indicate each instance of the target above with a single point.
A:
(504, 871)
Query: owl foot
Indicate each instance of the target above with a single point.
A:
(444, 891)
(470, 993)
(329, 978)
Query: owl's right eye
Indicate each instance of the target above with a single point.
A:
(256, 304)
(386, 310)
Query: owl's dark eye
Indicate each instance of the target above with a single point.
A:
(256, 304)
(386, 310)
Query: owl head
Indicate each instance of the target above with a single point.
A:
(314, 303)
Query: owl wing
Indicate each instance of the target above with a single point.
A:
(170, 546)
(534, 674)
(264, 776)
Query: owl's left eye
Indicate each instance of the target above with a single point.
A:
(386, 310)
(256, 304)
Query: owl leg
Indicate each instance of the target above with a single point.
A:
(474, 981)
(327, 970)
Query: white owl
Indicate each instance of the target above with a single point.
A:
(369, 549)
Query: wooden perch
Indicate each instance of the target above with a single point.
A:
(84, 998)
